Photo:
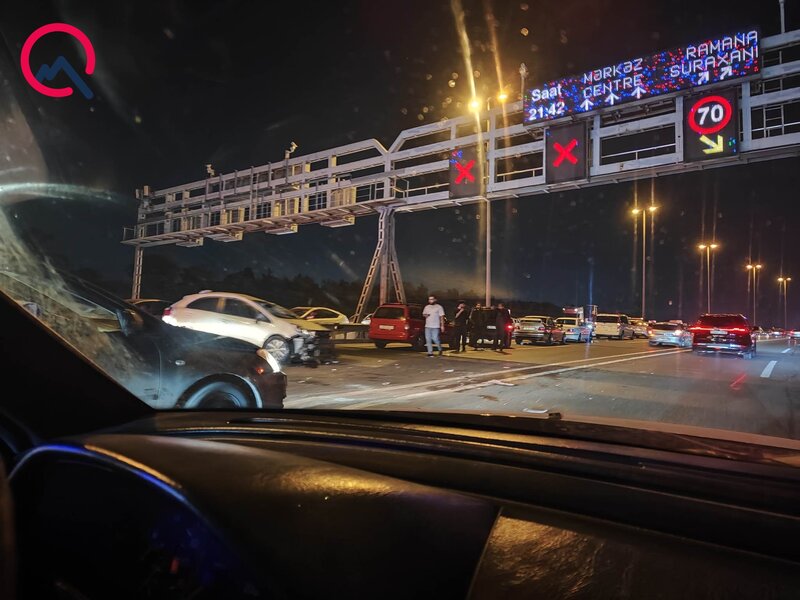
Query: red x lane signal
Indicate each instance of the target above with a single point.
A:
(464, 172)
(565, 153)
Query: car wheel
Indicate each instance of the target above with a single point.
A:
(418, 343)
(219, 395)
(278, 347)
(549, 340)
(518, 341)
(563, 339)
(380, 344)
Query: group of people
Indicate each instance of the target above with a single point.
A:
(469, 326)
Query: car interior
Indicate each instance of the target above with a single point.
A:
(105, 497)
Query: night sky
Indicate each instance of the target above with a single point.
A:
(182, 84)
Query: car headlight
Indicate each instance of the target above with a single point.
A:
(271, 360)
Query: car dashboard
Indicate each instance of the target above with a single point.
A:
(225, 505)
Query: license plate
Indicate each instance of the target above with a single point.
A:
(389, 327)
(718, 332)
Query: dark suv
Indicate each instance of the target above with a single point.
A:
(723, 333)
(403, 324)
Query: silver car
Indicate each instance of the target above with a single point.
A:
(669, 334)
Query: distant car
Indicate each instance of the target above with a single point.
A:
(794, 334)
(539, 328)
(723, 333)
(151, 306)
(364, 321)
(639, 327)
(574, 330)
(321, 315)
(163, 366)
(669, 334)
(266, 324)
(613, 326)
(777, 332)
(403, 324)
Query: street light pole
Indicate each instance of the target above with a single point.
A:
(708, 248)
(475, 106)
(784, 282)
(635, 212)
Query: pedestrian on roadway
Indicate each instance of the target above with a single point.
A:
(434, 324)
(501, 322)
(475, 326)
(460, 327)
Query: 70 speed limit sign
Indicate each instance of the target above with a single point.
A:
(710, 126)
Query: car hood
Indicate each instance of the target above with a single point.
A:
(190, 338)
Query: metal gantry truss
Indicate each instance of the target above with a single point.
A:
(334, 187)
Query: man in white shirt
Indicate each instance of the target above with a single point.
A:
(434, 324)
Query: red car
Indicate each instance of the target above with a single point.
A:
(723, 333)
(403, 324)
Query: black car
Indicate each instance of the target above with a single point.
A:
(723, 333)
(167, 367)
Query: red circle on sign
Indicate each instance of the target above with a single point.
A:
(726, 118)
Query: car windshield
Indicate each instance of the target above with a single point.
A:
(423, 181)
(722, 321)
(277, 309)
(607, 319)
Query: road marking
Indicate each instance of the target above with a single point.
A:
(311, 400)
(463, 388)
(768, 369)
(785, 351)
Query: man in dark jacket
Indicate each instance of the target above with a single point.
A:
(460, 327)
(501, 323)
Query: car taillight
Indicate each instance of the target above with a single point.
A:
(699, 328)
(737, 329)
(649, 331)
(510, 327)
(167, 311)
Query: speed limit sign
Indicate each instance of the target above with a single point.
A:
(710, 126)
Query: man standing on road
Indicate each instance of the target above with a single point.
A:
(460, 327)
(434, 324)
(501, 322)
(475, 326)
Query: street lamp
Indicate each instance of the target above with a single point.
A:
(636, 211)
(754, 269)
(784, 282)
(707, 248)
(475, 107)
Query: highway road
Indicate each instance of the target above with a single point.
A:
(608, 378)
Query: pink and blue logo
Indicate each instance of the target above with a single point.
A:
(48, 72)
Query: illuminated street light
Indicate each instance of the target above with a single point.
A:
(635, 211)
(708, 248)
(783, 282)
(474, 105)
(754, 269)
(502, 97)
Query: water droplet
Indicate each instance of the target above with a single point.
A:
(428, 76)
(524, 6)
(454, 75)
(476, 73)
(451, 83)
(524, 31)
(137, 119)
(420, 117)
(404, 110)
(425, 109)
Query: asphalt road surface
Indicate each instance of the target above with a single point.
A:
(624, 379)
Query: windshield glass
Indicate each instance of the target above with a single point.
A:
(425, 184)
(277, 309)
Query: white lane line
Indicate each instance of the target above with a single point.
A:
(768, 369)
(786, 351)
(301, 402)
(463, 388)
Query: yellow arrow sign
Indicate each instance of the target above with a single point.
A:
(713, 147)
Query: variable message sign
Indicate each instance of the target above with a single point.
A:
(709, 61)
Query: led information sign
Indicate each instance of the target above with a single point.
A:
(465, 173)
(710, 126)
(565, 154)
(709, 61)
